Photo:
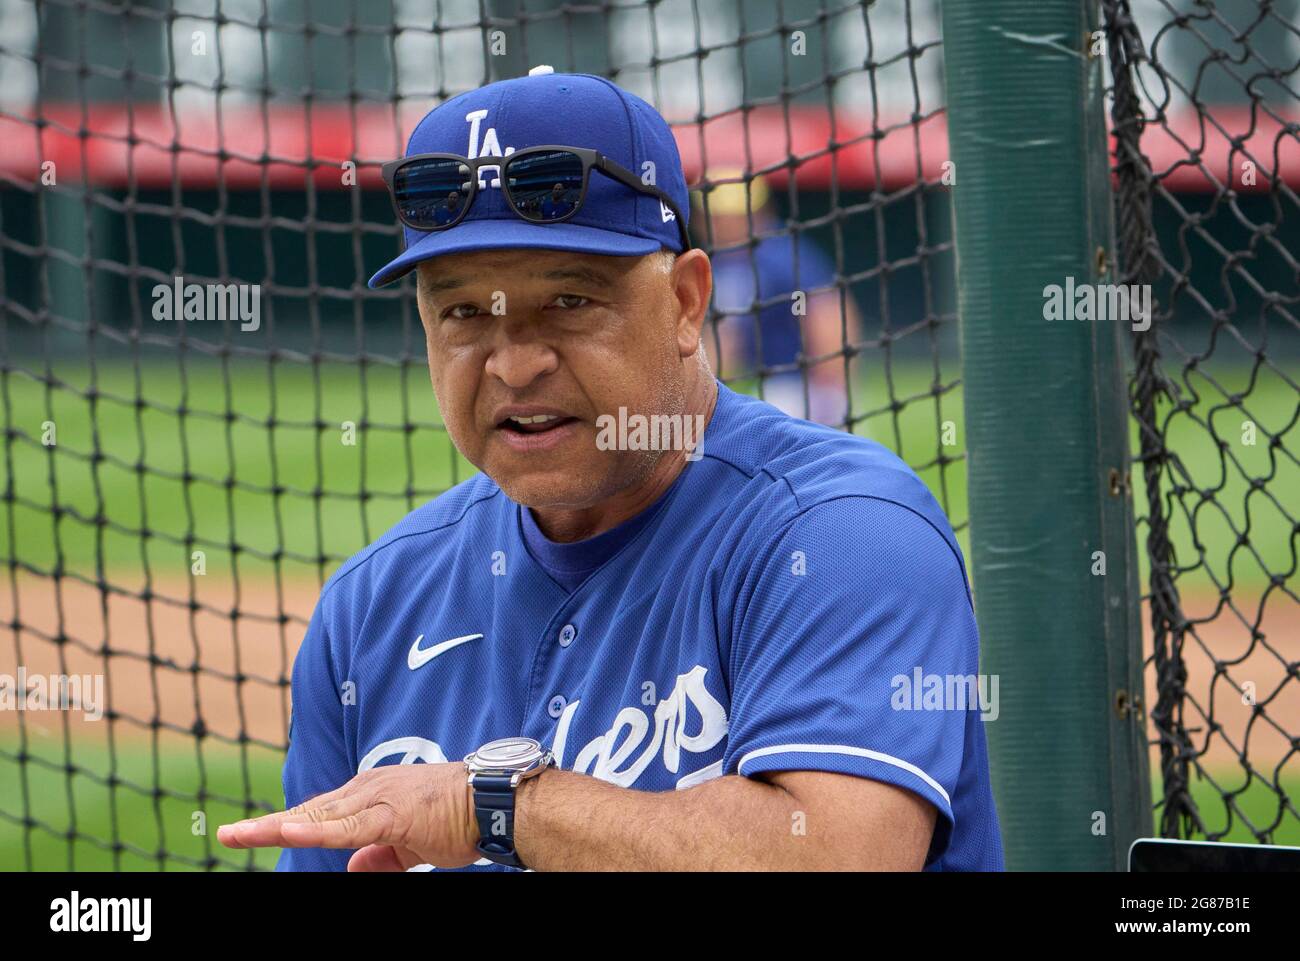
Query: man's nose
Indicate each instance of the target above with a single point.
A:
(519, 357)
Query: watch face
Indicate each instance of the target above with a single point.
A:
(507, 753)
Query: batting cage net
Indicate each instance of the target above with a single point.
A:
(206, 410)
(181, 472)
(1206, 123)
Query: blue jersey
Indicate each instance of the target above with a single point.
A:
(787, 604)
(768, 274)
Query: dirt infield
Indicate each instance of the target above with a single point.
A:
(163, 661)
(1251, 696)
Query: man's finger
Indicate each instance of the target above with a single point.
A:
(383, 857)
(374, 825)
(264, 831)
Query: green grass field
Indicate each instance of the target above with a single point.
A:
(150, 811)
(294, 488)
(299, 491)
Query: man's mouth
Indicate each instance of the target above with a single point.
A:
(536, 424)
(535, 429)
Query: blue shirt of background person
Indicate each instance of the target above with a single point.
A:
(768, 273)
(757, 269)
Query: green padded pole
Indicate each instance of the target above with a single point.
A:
(1046, 433)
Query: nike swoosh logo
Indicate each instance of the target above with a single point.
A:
(418, 658)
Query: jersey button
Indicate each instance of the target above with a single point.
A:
(556, 706)
(567, 633)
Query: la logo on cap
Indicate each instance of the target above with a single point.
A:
(540, 70)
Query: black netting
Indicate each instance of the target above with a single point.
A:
(1206, 113)
(175, 491)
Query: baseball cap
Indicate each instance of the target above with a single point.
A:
(569, 109)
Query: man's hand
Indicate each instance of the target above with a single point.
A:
(397, 817)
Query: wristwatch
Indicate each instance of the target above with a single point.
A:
(495, 770)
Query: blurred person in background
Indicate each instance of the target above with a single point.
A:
(758, 265)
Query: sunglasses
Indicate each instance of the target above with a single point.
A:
(542, 185)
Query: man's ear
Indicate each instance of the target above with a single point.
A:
(692, 280)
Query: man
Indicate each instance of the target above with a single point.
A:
(681, 657)
(780, 307)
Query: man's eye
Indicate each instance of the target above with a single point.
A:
(462, 312)
(568, 301)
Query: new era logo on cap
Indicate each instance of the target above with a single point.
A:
(545, 108)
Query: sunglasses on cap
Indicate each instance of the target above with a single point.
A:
(542, 185)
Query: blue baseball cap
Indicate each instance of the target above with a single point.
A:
(572, 110)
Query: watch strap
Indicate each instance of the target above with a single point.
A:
(494, 809)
